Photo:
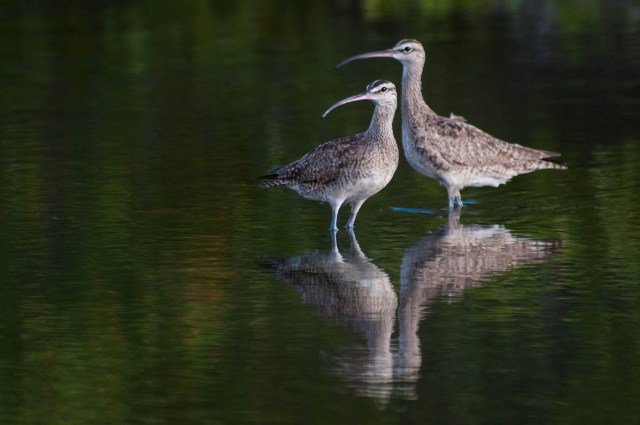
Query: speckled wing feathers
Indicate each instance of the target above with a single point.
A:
(458, 144)
(324, 164)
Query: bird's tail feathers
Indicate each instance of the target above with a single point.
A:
(543, 164)
(273, 183)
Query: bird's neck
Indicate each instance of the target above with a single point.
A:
(412, 100)
(382, 121)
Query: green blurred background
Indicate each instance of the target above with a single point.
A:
(132, 227)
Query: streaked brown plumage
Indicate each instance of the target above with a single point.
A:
(449, 150)
(350, 169)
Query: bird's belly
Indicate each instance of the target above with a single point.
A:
(486, 181)
(453, 176)
(348, 190)
(471, 178)
(365, 187)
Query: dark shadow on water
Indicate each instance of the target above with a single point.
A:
(349, 289)
(413, 210)
(427, 211)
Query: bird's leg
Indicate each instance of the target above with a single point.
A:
(335, 253)
(454, 197)
(352, 236)
(355, 246)
(458, 199)
(335, 207)
(355, 207)
(453, 220)
(334, 242)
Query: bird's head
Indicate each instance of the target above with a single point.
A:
(380, 92)
(407, 51)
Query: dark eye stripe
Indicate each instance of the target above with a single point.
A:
(380, 86)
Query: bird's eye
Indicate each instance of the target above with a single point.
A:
(407, 49)
(383, 89)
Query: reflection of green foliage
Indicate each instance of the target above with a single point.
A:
(130, 137)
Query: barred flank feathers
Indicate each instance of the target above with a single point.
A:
(272, 183)
(552, 165)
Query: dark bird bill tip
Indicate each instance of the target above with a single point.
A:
(341, 63)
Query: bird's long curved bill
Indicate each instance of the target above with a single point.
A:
(378, 54)
(356, 98)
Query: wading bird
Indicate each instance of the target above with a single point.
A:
(449, 150)
(349, 169)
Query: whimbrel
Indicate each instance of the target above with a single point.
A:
(449, 150)
(349, 169)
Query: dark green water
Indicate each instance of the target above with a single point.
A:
(147, 279)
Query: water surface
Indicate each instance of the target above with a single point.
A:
(147, 279)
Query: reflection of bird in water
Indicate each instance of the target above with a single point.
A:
(349, 289)
(447, 263)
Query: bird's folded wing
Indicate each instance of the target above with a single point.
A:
(323, 164)
(460, 144)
